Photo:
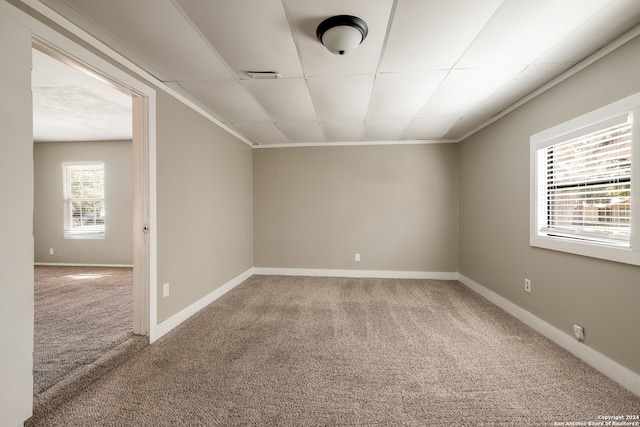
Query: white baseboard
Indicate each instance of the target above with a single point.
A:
(381, 274)
(166, 325)
(66, 264)
(612, 369)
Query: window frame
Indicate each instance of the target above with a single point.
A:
(68, 231)
(538, 208)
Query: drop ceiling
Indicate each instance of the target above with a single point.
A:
(428, 69)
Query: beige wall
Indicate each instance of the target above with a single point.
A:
(16, 224)
(117, 246)
(567, 289)
(205, 205)
(315, 207)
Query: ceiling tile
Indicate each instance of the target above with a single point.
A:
(306, 15)
(463, 90)
(343, 130)
(283, 99)
(252, 35)
(435, 127)
(465, 125)
(402, 95)
(230, 101)
(617, 18)
(428, 68)
(163, 38)
(517, 88)
(302, 131)
(384, 130)
(521, 31)
(341, 97)
(262, 133)
(433, 34)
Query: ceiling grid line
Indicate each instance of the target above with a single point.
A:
(294, 36)
(206, 41)
(382, 52)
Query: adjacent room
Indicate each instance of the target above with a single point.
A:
(389, 212)
(83, 235)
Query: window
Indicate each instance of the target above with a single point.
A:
(583, 194)
(83, 189)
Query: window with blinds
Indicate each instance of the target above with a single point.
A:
(587, 185)
(83, 191)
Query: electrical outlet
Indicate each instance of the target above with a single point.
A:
(527, 285)
(50, 251)
(578, 332)
(357, 257)
(165, 290)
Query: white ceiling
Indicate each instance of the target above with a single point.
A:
(428, 70)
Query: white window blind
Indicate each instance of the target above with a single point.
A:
(83, 190)
(586, 187)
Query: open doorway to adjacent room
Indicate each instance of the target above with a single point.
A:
(90, 220)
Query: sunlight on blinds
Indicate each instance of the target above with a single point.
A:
(588, 185)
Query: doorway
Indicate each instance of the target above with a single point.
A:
(138, 275)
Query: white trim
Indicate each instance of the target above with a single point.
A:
(102, 68)
(78, 235)
(612, 369)
(73, 264)
(589, 249)
(537, 208)
(635, 186)
(376, 274)
(152, 296)
(156, 331)
(357, 143)
(583, 122)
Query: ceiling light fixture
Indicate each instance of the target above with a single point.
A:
(342, 34)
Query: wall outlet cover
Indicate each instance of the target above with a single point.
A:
(578, 332)
(165, 290)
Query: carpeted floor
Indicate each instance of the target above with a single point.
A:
(284, 351)
(80, 314)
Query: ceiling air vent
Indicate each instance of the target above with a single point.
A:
(264, 74)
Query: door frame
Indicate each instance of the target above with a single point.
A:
(143, 159)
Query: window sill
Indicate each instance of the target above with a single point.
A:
(94, 236)
(589, 249)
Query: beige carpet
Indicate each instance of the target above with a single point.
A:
(285, 351)
(80, 314)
